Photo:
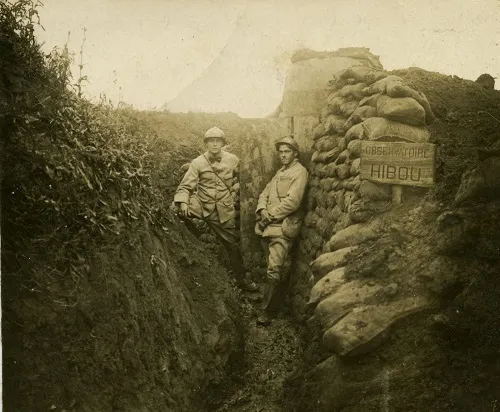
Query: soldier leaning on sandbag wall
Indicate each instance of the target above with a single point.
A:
(279, 217)
(206, 193)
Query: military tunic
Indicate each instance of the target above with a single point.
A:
(204, 191)
(282, 198)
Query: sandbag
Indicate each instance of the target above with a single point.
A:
(314, 181)
(326, 111)
(329, 261)
(317, 169)
(357, 182)
(366, 327)
(370, 100)
(332, 96)
(349, 295)
(354, 149)
(325, 143)
(312, 191)
(363, 74)
(355, 167)
(322, 199)
(310, 202)
(363, 210)
(334, 214)
(315, 156)
(336, 182)
(332, 182)
(336, 84)
(318, 199)
(374, 191)
(316, 240)
(348, 199)
(319, 131)
(343, 171)
(331, 200)
(341, 143)
(376, 128)
(353, 235)
(360, 114)
(343, 222)
(355, 132)
(336, 103)
(310, 219)
(318, 144)
(342, 157)
(401, 109)
(321, 210)
(320, 225)
(353, 91)
(325, 184)
(334, 123)
(327, 285)
(331, 170)
(330, 155)
(401, 90)
(323, 228)
(339, 198)
(351, 183)
(380, 86)
(348, 109)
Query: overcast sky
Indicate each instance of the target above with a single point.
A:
(218, 55)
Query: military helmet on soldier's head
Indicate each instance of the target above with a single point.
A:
(289, 141)
(214, 132)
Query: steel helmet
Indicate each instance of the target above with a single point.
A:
(214, 132)
(289, 141)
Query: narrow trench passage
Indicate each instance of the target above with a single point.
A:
(271, 354)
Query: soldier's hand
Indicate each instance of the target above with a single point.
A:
(174, 208)
(265, 216)
(184, 210)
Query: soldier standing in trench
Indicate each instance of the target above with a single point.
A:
(206, 193)
(279, 217)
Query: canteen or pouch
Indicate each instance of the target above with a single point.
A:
(291, 226)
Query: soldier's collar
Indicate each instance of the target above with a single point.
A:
(214, 158)
(294, 162)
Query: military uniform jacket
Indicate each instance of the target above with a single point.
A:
(282, 197)
(204, 191)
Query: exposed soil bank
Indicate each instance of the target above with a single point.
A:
(155, 322)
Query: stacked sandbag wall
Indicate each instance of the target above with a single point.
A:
(342, 208)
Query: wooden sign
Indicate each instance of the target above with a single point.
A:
(398, 163)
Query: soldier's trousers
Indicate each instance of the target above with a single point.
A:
(276, 250)
(226, 233)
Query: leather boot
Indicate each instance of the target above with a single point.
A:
(268, 295)
(263, 318)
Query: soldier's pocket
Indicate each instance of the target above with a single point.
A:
(283, 185)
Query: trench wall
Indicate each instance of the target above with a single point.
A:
(337, 197)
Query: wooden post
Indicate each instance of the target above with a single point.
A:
(397, 193)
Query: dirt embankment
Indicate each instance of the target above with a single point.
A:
(155, 321)
(445, 358)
